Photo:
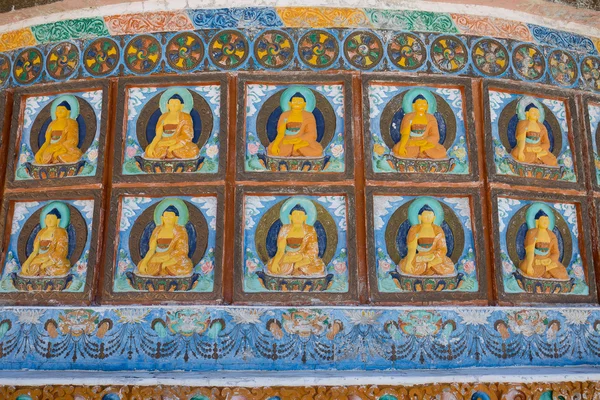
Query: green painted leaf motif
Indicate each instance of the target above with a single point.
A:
(70, 29)
(411, 20)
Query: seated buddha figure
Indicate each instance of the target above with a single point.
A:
(533, 144)
(50, 249)
(174, 134)
(61, 139)
(168, 248)
(419, 134)
(297, 246)
(426, 244)
(296, 132)
(542, 252)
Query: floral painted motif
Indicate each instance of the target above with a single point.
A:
(184, 51)
(590, 72)
(407, 51)
(63, 60)
(101, 57)
(310, 17)
(363, 50)
(78, 322)
(274, 49)
(188, 322)
(565, 40)
(28, 66)
(489, 26)
(142, 54)
(242, 17)
(406, 20)
(17, 39)
(163, 21)
(228, 49)
(449, 54)
(70, 29)
(563, 67)
(529, 62)
(490, 57)
(318, 49)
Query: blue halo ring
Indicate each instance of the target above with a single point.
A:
(63, 209)
(417, 204)
(288, 93)
(306, 203)
(184, 213)
(524, 102)
(533, 210)
(409, 98)
(188, 101)
(73, 103)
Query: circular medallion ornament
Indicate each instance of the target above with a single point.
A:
(228, 49)
(101, 57)
(529, 62)
(490, 57)
(590, 72)
(142, 54)
(363, 50)
(4, 69)
(318, 49)
(407, 51)
(274, 49)
(63, 60)
(562, 67)
(184, 51)
(449, 54)
(28, 66)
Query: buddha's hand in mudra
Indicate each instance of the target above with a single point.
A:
(543, 261)
(292, 258)
(420, 142)
(425, 258)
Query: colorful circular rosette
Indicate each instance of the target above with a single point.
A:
(63, 60)
(449, 54)
(101, 57)
(4, 69)
(142, 54)
(363, 50)
(407, 51)
(563, 67)
(274, 49)
(529, 62)
(184, 51)
(228, 49)
(28, 66)
(318, 49)
(490, 57)
(590, 72)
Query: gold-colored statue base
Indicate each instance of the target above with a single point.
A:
(302, 164)
(422, 165)
(295, 283)
(543, 285)
(41, 283)
(51, 171)
(538, 171)
(162, 283)
(156, 166)
(427, 283)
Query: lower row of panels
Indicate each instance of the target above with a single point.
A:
(296, 246)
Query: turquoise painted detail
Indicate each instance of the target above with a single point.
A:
(70, 29)
(247, 17)
(411, 20)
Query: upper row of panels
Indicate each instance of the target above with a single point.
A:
(175, 129)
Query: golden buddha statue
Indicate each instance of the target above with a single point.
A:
(419, 133)
(174, 133)
(541, 250)
(168, 248)
(426, 244)
(297, 245)
(50, 247)
(533, 144)
(61, 139)
(297, 127)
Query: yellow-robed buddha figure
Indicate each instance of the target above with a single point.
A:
(419, 131)
(426, 241)
(62, 135)
(175, 129)
(168, 246)
(297, 244)
(542, 254)
(297, 127)
(51, 244)
(533, 143)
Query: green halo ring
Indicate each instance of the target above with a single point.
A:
(306, 203)
(533, 210)
(288, 93)
(73, 103)
(188, 101)
(409, 98)
(184, 213)
(62, 208)
(524, 102)
(417, 204)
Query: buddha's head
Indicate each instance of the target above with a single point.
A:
(62, 112)
(175, 104)
(170, 216)
(298, 215)
(532, 114)
(297, 103)
(426, 215)
(542, 221)
(52, 219)
(420, 105)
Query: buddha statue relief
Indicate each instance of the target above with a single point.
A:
(533, 143)
(168, 246)
(542, 254)
(174, 130)
(49, 257)
(62, 135)
(297, 244)
(296, 127)
(426, 242)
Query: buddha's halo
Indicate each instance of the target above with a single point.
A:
(306, 203)
(62, 208)
(288, 94)
(409, 99)
(533, 209)
(71, 100)
(524, 102)
(184, 213)
(188, 101)
(417, 204)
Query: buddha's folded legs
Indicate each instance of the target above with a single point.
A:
(190, 150)
(70, 156)
(558, 272)
(312, 150)
(436, 152)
